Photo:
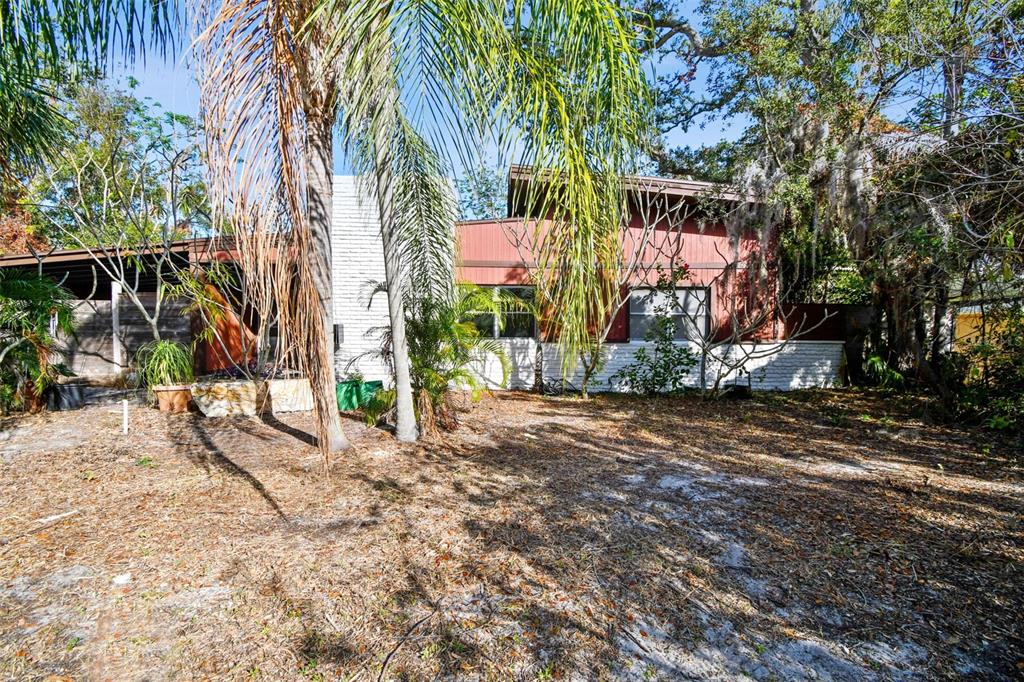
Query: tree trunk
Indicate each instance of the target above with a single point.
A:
(953, 84)
(939, 326)
(704, 368)
(585, 360)
(394, 273)
(893, 342)
(319, 358)
(538, 359)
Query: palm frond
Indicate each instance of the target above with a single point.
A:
(54, 33)
(269, 107)
(32, 309)
(40, 39)
(559, 80)
(29, 304)
(31, 125)
(424, 215)
(446, 349)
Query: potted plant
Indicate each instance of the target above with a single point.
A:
(165, 367)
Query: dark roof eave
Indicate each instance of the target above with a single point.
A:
(199, 245)
(671, 186)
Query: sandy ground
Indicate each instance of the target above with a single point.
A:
(811, 536)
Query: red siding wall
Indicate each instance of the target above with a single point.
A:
(489, 256)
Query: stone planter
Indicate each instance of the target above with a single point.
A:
(173, 399)
(290, 395)
(231, 398)
(249, 398)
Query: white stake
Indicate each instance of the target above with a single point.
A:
(124, 418)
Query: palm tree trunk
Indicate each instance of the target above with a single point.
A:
(319, 360)
(405, 427)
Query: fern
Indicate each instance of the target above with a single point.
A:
(885, 376)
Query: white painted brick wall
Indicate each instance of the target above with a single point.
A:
(522, 354)
(798, 364)
(358, 257)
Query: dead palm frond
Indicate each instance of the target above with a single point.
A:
(269, 104)
(559, 80)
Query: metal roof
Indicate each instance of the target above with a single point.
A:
(648, 183)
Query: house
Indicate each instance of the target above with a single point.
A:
(797, 348)
(111, 322)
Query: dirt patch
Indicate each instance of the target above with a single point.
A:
(813, 536)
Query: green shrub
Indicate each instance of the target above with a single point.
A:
(445, 353)
(882, 374)
(164, 363)
(662, 366)
(31, 308)
(378, 407)
(992, 372)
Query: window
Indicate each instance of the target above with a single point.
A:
(518, 323)
(690, 313)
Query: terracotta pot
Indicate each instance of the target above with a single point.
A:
(172, 399)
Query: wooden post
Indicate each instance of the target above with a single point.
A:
(115, 317)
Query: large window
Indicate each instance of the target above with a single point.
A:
(690, 312)
(517, 323)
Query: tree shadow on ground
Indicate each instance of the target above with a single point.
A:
(273, 422)
(715, 537)
(203, 451)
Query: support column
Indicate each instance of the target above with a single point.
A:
(115, 317)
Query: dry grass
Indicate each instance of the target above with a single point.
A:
(814, 534)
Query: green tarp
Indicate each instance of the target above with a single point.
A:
(354, 394)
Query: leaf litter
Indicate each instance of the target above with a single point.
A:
(624, 539)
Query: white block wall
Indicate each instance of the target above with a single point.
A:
(773, 366)
(358, 258)
(357, 255)
(522, 355)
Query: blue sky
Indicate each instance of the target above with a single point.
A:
(172, 85)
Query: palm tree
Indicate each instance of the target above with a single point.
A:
(32, 309)
(446, 350)
(270, 104)
(43, 43)
(558, 79)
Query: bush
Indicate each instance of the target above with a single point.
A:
(882, 374)
(662, 366)
(992, 372)
(31, 308)
(164, 363)
(445, 351)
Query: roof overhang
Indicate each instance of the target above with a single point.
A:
(672, 187)
(195, 249)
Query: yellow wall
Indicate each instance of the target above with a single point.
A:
(967, 329)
